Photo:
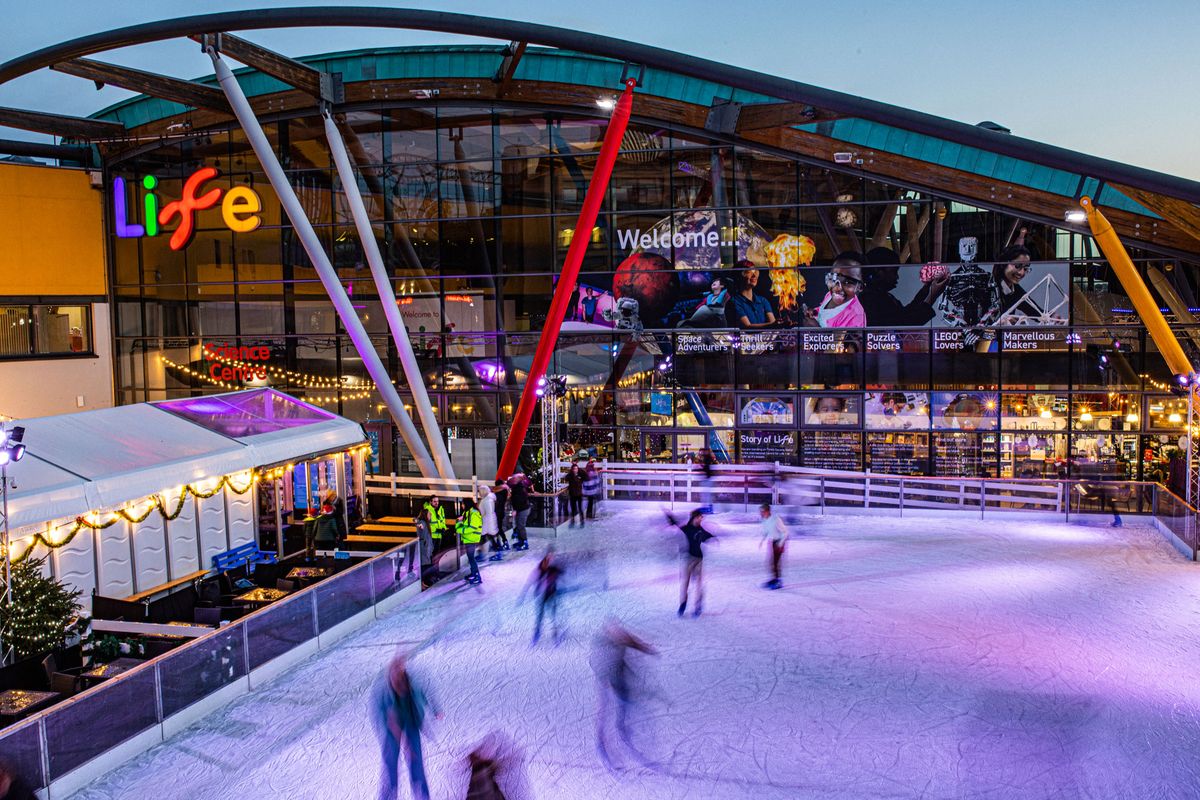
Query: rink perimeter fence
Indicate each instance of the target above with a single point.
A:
(63, 748)
(809, 491)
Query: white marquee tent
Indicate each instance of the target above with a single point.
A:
(101, 461)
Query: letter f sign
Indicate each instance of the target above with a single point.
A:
(187, 206)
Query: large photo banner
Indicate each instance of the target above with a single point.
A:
(707, 269)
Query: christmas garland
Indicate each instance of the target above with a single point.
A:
(155, 502)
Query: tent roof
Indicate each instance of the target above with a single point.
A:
(102, 459)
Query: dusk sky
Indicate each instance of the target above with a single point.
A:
(1111, 79)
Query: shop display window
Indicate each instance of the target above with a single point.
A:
(966, 411)
(832, 410)
(896, 411)
(768, 446)
(1038, 412)
(1166, 412)
(831, 449)
(1033, 455)
(966, 454)
(1107, 456)
(767, 409)
(898, 452)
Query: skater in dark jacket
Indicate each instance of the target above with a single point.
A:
(545, 584)
(617, 685)
(693, 560)
(495, 770)
(575, 479)
(519, 489)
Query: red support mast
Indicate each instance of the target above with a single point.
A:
(566, 281)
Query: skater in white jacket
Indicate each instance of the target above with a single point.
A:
(773, 529)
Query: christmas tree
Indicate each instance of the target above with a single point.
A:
(36, 618)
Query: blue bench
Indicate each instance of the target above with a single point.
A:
(247, 555)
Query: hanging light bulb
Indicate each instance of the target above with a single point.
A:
(1045, 413)
(1131, 418)
(1085, 416)
(1174, 419)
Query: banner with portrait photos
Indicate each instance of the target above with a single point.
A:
(713, 269)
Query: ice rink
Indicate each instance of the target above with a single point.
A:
(904, 658)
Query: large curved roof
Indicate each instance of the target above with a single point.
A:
(973, 163)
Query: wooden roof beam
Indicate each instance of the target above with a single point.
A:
(292, 72)
(508, 67)
(188, 93)
(757, 116)
(59, 125)
(1180, 213)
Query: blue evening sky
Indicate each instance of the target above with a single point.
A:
(1108, 78)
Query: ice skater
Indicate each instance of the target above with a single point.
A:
(617, 685)
(692, 568)
(496, 770)
(398, 710)
(491, 529)
(519, 489)
(545, 585)
(773, 529)
(500, 492)
(574, 479)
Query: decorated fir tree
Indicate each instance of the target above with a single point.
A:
(36, 618)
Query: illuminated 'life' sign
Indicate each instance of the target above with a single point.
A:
(239, 210)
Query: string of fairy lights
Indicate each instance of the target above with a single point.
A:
(361, 392)
(169, 503)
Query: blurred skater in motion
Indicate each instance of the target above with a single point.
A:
(545, 581)
(424, 541)
(693, 559)
(708, 477)
(398, 709)
(496, 770)
(617, 685)
(773, 529)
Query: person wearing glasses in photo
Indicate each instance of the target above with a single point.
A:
(746, 309)
(840, 308)
(1007, 275)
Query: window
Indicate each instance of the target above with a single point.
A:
(45, 330)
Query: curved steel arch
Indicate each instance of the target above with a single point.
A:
(607, 46)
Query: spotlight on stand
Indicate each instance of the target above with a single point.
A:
(12, 450)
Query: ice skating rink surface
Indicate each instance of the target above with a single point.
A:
(904, 658)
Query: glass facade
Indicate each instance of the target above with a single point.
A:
(713, 309)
